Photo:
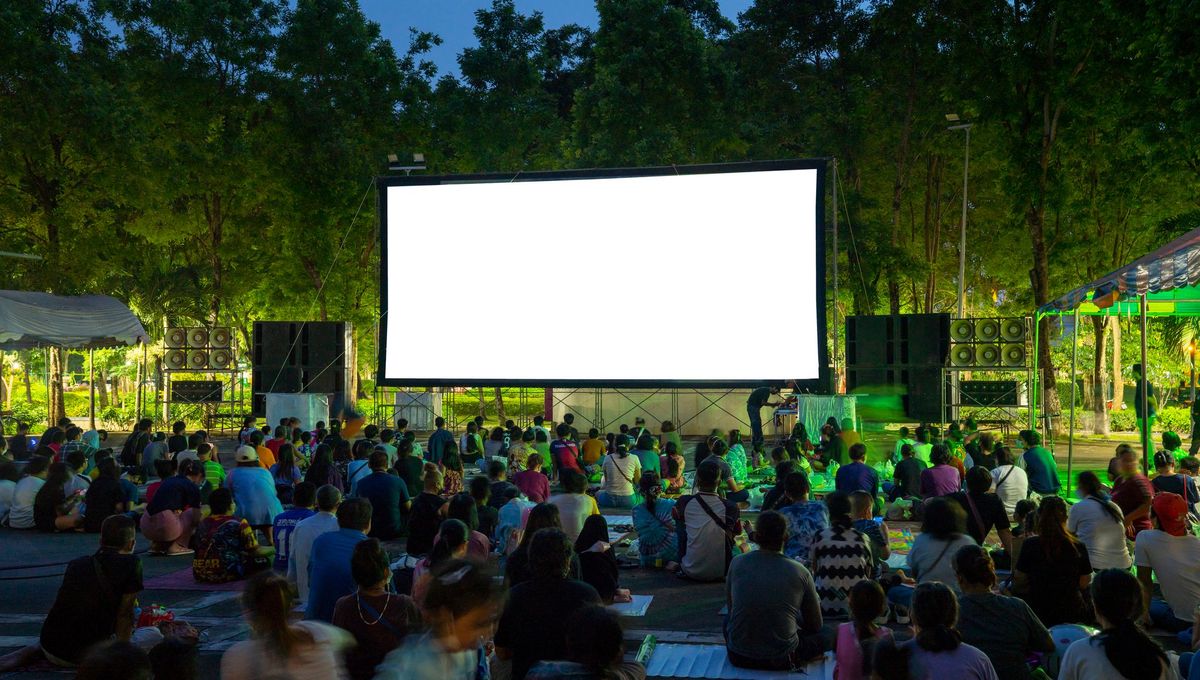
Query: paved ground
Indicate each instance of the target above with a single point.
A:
(31, 566)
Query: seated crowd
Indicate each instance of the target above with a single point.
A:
(510, 562)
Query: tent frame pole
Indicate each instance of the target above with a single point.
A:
(1074, 388)
(91, 388)
(1145, 401)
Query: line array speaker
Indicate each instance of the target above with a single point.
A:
(988, 343)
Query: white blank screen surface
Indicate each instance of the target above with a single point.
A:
(685, 278)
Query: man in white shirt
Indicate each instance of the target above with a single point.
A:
(1010, 482)
(1171, 553)
(307, 531)
(704, 550)
(900, 444)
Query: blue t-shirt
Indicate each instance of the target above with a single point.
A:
(437, 445)
(285, 522)
(329, 577)
(387, 494)
(857, 477)
(175, 493)
(805, 521)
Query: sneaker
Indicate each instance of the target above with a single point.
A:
(156, 552)
(180, 551)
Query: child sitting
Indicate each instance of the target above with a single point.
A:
(856, 639)
(862, 507)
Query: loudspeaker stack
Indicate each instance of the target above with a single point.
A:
(900, 350)
(991, 343)
(198, 349)
(299, 357)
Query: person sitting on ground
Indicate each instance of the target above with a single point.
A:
(254, 496)
(1132, 491)
(21, 510)
(707, 525)
(329, 565)
(163, 469)
(806, 519)
(942, 479)
(1172, 444)
(672, 465)
(9, 476)
(411, 467)
(299, 551)
(452, 472)
(1010, 482)
(193, 447)
(280, 438)
(565, 452)
(1053, 571)
(597, 563)
(104, 497)
(426, 513)
(452, 543)
(214, 472)
(984, 510)
(497, 474)
(621, 472)
(595, 649)
(462, 508)
(1170, 552)
(647, 455)
(1167, 480)
(226, 548)
(509, 521)
(1122, 649)
(460, 610)
(155, 450)
(654, 522)
(774, 620)
(175, 512)
(593, 449)
(923, 449)
(304, 500)
(360, 466)
(776, 496)
(481, 490)
(322, 471)
(266, 457)
(286, 473)
(901, 441)
(862, 508)
(378, 619)
(906, 478)
(943, 533)
(1099, 525)
(985, 457)
(574, 504)
(53, 510)
(516, 568)
(855, 642)
(530, 628)
(519, 451)
(494, 447)
(733, 489)
(857, 475)
(178, 440)
(938, 650)
(532, 483)
(279, 647)
(1003, 628)
(96, 599)
(388, 497)
(1039, 465)
(840, 557)
(18, 444)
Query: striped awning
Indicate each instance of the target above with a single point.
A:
(1174, 265)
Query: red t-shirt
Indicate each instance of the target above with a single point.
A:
(1131, 493)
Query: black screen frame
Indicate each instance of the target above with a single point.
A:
(819, 385)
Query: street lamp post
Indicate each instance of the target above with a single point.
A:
(962, 237)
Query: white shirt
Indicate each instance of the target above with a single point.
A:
(1015, 487)
(189, 454)
(319, 660)
(704, 559)
(573, 511)
(1085, 660)
(621, 474)
(1174, 560)
(302, 539)
(899, 444)
(7, 489)
(1103, 536)
(20, 514)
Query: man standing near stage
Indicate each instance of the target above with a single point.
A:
(1145, 421)
(754, 405)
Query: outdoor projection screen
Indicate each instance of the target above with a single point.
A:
(691, 276)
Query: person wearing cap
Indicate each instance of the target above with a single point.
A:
(1171, 553)
(254, 493)
(1168, 480)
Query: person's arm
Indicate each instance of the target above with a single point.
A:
(810, 610)
(1005, 535)
(124, 627)
(1145, 576)
(1195, 628)
(886, 551)
(1141, 511)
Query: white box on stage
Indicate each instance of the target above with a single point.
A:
(418, 408)
(309, 408)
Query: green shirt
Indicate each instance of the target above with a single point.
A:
(214, 473)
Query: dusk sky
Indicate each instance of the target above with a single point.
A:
(454, 20)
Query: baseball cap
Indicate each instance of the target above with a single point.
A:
(247, 454)
(1163, 459)
(1171, 512)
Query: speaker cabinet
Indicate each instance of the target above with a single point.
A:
(175, 337)
(274, 343)
(220, 338)
(283, 379)
(175, 359)
(220, 358)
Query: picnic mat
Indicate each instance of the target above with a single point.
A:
(900, 540)
(710, 661)
(185, 580)
(638, 607)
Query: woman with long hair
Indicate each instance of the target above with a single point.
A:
(286, 473)
(597, 564)
(1004, 628)
(943, 533)
(1122, 650)
(516, 568)
(938, 650)
(322, 471)
(343, 453)
(378, 619)
(672, 465)
(1053, 570)
(462, 508)
(1099, 524)
(52, 510)
(856, 639)
(451, 544)
(658, 542)
(452, 470)
(621, 471)
(278, 647)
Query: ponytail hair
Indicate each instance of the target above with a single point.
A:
(867, 602)
(268, 603)
(1089, 484)
(1118, 598)
(935, 611)
(453, 535)
(651, 488)
(974, 565)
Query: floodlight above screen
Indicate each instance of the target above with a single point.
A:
(700, 276)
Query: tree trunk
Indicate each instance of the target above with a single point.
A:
(56, 408)
(101, 388)
(500, 415)
(1099, 408)
(26, 359)
(1118, 382)
(933, 226)
(898, 183)
(137, 389)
